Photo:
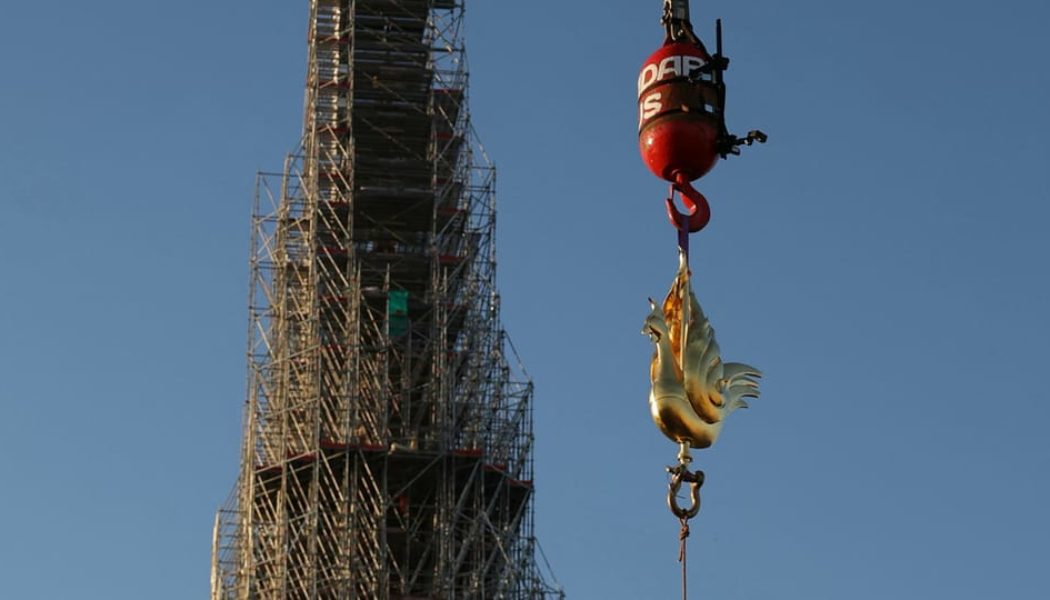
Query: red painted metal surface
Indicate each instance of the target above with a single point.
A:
(679, 124)
(698, 212)
(678, 127)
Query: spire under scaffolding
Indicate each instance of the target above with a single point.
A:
(388, 430)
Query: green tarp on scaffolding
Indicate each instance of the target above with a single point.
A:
(397, 311)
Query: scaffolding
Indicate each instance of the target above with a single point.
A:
(388, 429)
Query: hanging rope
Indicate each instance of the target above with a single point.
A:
(682, 534)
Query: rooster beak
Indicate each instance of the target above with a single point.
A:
(651, 333)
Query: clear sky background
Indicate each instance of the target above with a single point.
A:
(883, 259)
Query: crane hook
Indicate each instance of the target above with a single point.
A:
(680, 474)
(698, 210)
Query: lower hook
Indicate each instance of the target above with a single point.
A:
(681, 474)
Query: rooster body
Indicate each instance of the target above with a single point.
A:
(693, 391)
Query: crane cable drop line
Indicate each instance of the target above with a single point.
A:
(682, 133)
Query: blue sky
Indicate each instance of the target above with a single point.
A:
(883, 259)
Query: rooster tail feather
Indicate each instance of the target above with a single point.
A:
(735, 403)
(739, 384)
(734, 370)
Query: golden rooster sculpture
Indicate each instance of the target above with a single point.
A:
(693, 391)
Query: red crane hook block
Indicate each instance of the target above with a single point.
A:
(698, 211)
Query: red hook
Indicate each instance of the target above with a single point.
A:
(699, 212)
